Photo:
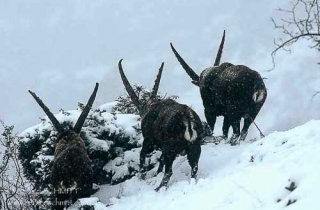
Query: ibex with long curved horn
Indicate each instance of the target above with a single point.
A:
(71, 175)
(172, 127)
(232, 91)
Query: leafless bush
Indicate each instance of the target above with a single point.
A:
(15, 191)
(301, 21)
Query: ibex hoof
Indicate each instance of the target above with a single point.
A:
(142, 175)
(234, 140)
(219, 139)
(158, 188)
(193, 181)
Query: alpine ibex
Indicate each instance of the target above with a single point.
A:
(71, 174)
(231, 91)
(167, 125)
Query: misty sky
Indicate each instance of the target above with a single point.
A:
(59, 49)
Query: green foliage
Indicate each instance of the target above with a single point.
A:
(126, 106)
(27, 152)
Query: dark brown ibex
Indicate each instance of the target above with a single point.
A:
(71, 175)
(232, 91)
(172, 127)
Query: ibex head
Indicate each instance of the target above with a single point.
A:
(194, 76)
(153, 97)
(65, 136)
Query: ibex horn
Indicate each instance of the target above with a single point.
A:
(129, 88)
(219, 54)
(46, 110)
(157, 83)
(186, 67)
(86, 110)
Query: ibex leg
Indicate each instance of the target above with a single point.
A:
(225, 127)
(236, 131)
(244, 131)
(161, 164)
(211, 118)
(146, 149)
(193, 155)
(168, 161)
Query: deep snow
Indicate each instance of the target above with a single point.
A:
(253, 175)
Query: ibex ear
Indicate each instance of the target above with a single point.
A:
(86, 110)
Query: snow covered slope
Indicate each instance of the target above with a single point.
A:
(281, 171)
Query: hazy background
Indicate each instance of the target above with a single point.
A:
(59, 49)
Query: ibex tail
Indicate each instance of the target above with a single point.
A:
(190, 133)
(259, 93)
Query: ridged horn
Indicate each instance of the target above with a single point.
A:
(129, 88)
(46, 110)
(219, 54)
(157, 83)
(78, 126)
(186, 67)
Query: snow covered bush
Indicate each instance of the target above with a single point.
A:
(106, 135)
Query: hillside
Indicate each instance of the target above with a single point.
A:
(277, 172)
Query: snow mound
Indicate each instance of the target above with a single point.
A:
(113, 123)
(279, 171)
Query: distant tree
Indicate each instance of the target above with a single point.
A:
(300, 21)
(126, 106)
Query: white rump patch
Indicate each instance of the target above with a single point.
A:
(258, 96)
(187, 135)
(74, 186)
(62, 185)
(71, 188)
